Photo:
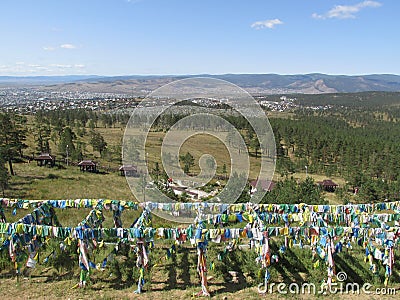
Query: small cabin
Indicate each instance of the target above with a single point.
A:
(328, 185)
(129, 170)
(45, 159)
(88, 166)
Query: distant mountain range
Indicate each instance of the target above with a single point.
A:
(44, 79)
(254, 83)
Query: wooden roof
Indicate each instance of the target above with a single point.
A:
(87, 163)
(327, 182)
(128, 168)
(44, 156)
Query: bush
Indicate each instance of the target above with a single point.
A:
(52, 176)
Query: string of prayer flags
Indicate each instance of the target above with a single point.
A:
(208, 208)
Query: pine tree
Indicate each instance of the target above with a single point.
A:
(12, 137)
(98, 143)
(188, 161)
(42, 135)
(67, 142)
(4, 177)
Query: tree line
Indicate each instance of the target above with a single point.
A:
(358, 143)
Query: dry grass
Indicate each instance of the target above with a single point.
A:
(33, 182)
(44, 287)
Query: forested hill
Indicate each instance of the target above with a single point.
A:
(253, 83)
(316, 83)
(361, 100)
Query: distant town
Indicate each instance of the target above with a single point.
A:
(29, 100)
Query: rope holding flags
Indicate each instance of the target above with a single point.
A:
(300, 211)
(28, 232)
(117, 212)
(372, 253)
(94, 220)
(201, 244)
(141, 249)
(264, 259)
(23, 246)
(142, 262)
(388, 261)
(330, 249)
(83, 263)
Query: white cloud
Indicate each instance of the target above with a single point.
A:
(22, 68)
(40, 68)
(346, 11)
(62, 46)
(67, 46)
(266, 24)
(60, 66)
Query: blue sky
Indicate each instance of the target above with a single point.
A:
(121, 37)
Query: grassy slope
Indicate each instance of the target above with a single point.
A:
(33, 182)
(169, 279)
(176, 277)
